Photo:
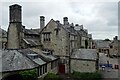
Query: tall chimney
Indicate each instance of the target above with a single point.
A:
(15, 25)
(42, 22)
(65, 20)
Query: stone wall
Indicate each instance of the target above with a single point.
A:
(83, 65)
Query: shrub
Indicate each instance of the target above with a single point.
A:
(86, 76)
(29, 74)
(51, 76)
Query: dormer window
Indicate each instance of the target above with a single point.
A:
(33, 56)
(47, 52)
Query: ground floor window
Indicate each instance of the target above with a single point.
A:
(42, 69)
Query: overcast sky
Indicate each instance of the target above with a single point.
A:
(100, 18)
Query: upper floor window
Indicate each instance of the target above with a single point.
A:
(57, 31)
(46, 36)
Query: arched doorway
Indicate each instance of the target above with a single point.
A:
(13, 77)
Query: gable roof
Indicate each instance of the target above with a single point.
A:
(32, 31)
(46, 25)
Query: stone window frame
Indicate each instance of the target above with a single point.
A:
(46, 36)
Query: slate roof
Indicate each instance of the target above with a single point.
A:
(72, 31)
(43, 57)
(51, 57)
(31, 42)
(32, 31)
(68, 28)
(102, 43)
(87, 54)
(13, 60)
(33, 52)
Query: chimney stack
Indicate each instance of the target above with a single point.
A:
(15, 27)
(65, 21)
(116, 38)
(42, 22)
(15, 12)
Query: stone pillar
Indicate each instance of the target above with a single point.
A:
(42, 22)
(14, 28)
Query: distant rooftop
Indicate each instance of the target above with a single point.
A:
(102, 43)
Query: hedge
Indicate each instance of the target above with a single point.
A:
(52, 76)
(29, 74)
(86, 76)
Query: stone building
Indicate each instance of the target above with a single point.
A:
(55, 38)
(115, 46)
(60, 39)
(19, 40)
(25, 38)
(84, 60)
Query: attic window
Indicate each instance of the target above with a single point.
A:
(57, 30)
